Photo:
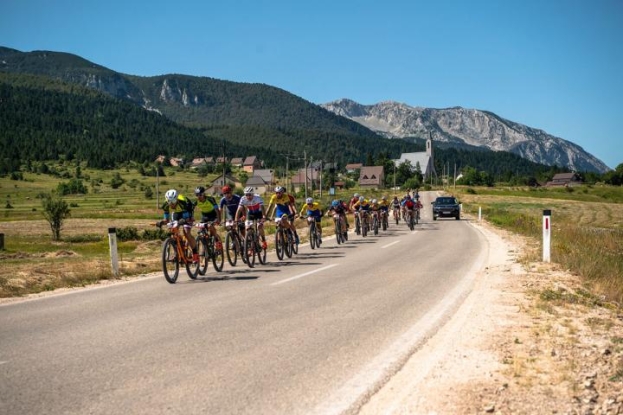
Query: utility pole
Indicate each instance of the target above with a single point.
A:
(224, 162)
(305, 165)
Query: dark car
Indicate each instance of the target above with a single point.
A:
(446, 207)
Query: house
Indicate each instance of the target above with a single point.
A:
(251, 163)
(268, 175)
(258, 184)
(201, 161)
(218, 183)
(565, 179)
(173, 161)
(304, 176)
(237, 161)
(352, 167)
(372, 176)
(425, 159)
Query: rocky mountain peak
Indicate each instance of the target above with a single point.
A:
(462, 127)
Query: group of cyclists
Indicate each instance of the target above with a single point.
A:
(281, 208)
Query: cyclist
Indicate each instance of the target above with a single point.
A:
(253, 205)
(355, 209)
(339, 207)
(362, 206)
(408, 204)
(396, 207)
(384, 207)
(314, 210)
(283, 206)
(228, 204)
(375, 209)
(210, 213)
(178, 207)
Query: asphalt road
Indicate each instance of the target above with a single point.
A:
(315, 334)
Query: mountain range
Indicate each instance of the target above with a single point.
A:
(465, 128)
(266, 119)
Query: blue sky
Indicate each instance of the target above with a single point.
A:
(549, 64)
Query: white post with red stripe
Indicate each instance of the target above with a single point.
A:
(547, 235)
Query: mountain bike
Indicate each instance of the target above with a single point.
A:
(384, 220)
(397, 215)
(357, 223)
(314, 233)
(410, 218)
(233, 242)
(283, 247)
(365, 223)
(341, 234)
(252, 244)
(417, 215)
(375, 222)
(208, 249)
(175, 251)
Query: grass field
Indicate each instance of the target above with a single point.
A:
(587, 227)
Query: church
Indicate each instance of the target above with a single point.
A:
(424, 158)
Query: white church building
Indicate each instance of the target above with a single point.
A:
(424, 158)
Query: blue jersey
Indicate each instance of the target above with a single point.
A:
(231, 205)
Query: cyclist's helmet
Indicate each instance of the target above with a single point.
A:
(171, 196)
(279, 189)
(374, 201)
(361, 198)
(248, 191)
(200, 190)
(356, 195)
(384, 197)
(309, 200)
(335, 203)
(226, 189)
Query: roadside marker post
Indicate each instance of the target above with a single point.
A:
(547, 235)
(112, 243)
(479, 214)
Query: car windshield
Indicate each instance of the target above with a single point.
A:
(446, 200)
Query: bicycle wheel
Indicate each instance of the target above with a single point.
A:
(204, 255)
(259, 251)
(249, 248)
(384, 222)
(217, 255)
(338, 231)
(364, 228)
(411, 224)
(312, 235)
(231, 249)
(357, 225)
(280, 246)
(170, 262)
(289, 241)
(192, 268)
(295, 246)
(417, 217)
(375, 225)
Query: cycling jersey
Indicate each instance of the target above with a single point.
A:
(254, 205)
(183, 209)
(282, 204)
(314, 210)
(365, 206)
(230, 206)
(384, 205)
(409, 204)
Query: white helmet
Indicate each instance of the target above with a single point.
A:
(361, 198)
(309, 200)
(248, 191)
(374, 201)
(356, 195)
(279, 189)
(171, 196)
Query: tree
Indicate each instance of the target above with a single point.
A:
(55, 211)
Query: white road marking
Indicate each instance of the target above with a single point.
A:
(388, 245)
(303, 275)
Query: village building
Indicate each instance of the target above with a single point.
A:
(372, 177)
(425, 159)
(565, 179)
